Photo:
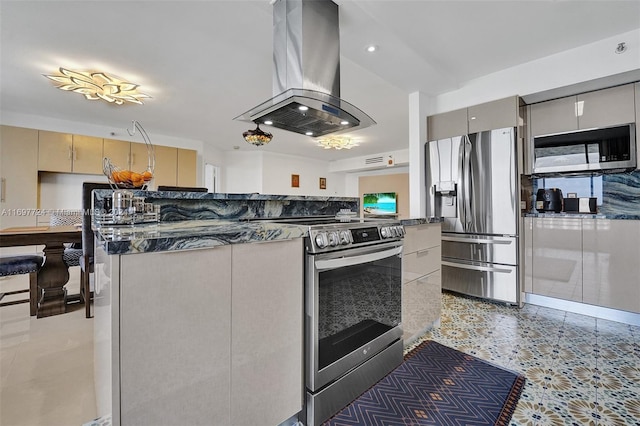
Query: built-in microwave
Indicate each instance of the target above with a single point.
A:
(600, 149)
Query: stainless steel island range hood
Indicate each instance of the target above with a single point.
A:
(306, 75)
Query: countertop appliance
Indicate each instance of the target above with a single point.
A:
(472, 183)
(549, 200)
(353, 295)
(602, 149)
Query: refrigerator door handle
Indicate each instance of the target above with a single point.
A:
(461, 190)
(476, 268)
(467, 183)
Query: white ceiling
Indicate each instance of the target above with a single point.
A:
(205, 62)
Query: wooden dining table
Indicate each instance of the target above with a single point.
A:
(54, 274)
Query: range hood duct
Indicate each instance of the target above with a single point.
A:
(306, 58)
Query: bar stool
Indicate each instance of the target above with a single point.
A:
(22, 264)
(72, 252)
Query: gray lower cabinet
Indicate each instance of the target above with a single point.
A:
(557, 258)
(593, 261)
(422, 286)
(200, 337)
(611, 258)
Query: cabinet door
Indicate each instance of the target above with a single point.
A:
(139, 158)
(55, 151)
(175, 335)
(421, 305)
(447, 124)
(611, 263)
(526, 247)
(87, 155)
(118, 152)
(557, 258)
(187, 164)
(558, 115)
(267, 330)
(421, 236)
(607, 107)
(493, 115)
(637, 92)
(166, 166)
(19, 175)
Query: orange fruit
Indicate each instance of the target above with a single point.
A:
(115, 176)
(147, 175)
(136, 176)
(125, 176)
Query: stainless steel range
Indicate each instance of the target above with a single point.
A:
(353, 287)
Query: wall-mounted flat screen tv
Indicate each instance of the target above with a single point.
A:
(380, 204)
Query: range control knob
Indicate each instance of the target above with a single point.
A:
(384, 232)
(321, 239)
(334, 240)
(400, 231)
(345, 238)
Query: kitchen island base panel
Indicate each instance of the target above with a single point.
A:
(600, 312)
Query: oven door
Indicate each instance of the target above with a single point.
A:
(353, 308)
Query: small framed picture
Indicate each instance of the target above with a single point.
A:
(295, 181)
(323, 183)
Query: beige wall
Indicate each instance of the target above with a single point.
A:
(398, 183)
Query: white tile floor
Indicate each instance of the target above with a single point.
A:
(46, 365)
(580, 370)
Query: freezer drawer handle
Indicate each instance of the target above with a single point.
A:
(505, 241)
(476, 268)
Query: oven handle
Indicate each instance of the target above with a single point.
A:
(340, 262)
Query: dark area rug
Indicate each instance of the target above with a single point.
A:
(437, 385)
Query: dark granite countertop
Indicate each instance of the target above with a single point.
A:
(420, 221)
(583, 215)
(191, 234)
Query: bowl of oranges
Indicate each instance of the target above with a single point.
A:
(127, 179)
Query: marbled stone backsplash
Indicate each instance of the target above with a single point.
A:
(178, 206)
(618, 194)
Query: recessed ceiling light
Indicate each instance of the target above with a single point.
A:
(268, 122)
(309, 133)
(372, 48)
(303, 108)
(344, 122)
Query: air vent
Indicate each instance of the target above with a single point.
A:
(374, 160)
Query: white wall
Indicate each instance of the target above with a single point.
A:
(241, 172)
(63, 190)
(278, 168)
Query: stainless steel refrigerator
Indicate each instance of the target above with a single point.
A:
(472, 183)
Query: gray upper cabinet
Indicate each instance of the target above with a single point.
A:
(493, 115)
(607, 107)
(601, 108)
(553, 116)
(490, 115)
(447, 124)
(638, 124)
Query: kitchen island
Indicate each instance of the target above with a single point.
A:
(199, 322)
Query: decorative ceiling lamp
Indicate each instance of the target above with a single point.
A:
(98, 85)
(257, 137)
(337, 143)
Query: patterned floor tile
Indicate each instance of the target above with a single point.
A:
(580, 370)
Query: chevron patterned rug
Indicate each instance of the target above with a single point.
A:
(437, 385)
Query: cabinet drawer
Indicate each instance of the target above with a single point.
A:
(419, 263)
(421, 305)
(421, 236)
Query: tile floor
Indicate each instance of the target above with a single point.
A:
(46, 364)
(580, 370)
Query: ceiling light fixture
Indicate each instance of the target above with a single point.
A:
(98, 85)
(337, 143)
(372, 48)
(257, 137)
